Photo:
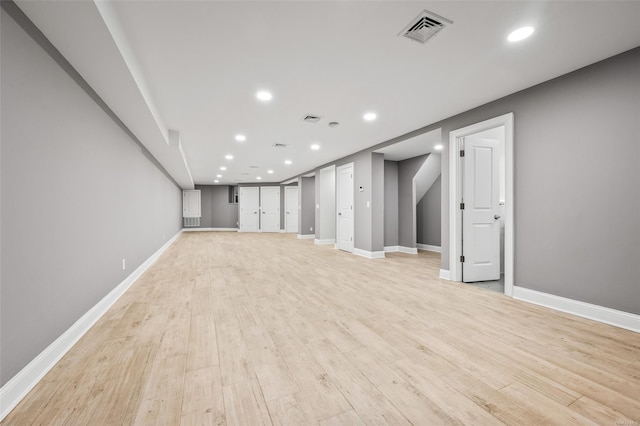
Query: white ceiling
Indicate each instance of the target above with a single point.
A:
(412, 147)
(195, 67)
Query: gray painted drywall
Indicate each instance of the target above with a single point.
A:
(78, 196)
(307, 203)
(390, 203)
(407, 169)
(216, 210)
(377, 202)
(364, 235)
(577, 180)
(326, 203)
(428, 215)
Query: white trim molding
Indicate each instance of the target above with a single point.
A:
(444, 274)
(368, 254)
(210, 229)
(325, 241)
(17, 388)
(427, 247)
(306, 236)
(408, 250)
(602, 314)
(401, 249)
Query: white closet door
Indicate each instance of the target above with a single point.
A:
(270, 206)
(249, 209)
(291, 208)
(345, 208)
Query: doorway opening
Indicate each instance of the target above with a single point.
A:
(481, 203)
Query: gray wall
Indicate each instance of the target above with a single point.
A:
(577, 180)
(428, 215)
(325, 189)
(217, 212)
(390, 203)
(365, 237)
(407, 169)
(307, 202)
(78, 196)
(377, 202)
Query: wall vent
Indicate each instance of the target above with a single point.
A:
(312, 118)
(424, 26)
(280, 145)
(190, 222)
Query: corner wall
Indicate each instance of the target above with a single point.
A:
(78, 196)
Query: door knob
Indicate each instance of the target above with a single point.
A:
(339, 214)
(496, 217)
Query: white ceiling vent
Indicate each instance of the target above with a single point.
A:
(311, 118)
(280, 145)
(424, 26)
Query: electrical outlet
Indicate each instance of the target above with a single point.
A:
(311, 228)
(124, 264)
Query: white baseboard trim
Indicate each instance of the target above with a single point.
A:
(609, 316)
(408, 250)
(368, 254)
(210, 229)
(427, 247)
(17, 388)
(401, 249)
(325, 241)
(445, 274)
(306, 236)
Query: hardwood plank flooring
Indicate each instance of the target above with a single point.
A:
(251, 329)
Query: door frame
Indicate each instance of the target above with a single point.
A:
(287, 189)
(353, 197)
(455, 190)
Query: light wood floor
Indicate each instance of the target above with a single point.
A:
(255, 329)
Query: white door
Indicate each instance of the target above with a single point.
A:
(344, 223)
(480, 216)
(291, 208)
(270, 207)
(249, 209)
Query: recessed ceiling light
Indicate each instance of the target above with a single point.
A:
(229, 157)
(258, 178)
(241, 138)
(370, 116)
(437, 147)
(520, 34)
(263, 95)
(315, 147)
(287, 162)
(270, 172)
(216, 181)
(218, 176)
(223, 168)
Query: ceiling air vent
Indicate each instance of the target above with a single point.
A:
(310, 118)
(280, 145)
(424, 26)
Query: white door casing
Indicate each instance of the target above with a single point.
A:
(480, 216)
(344, 207)
(455, 214)
(291, 208)
(249, 209)
(270, 208)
